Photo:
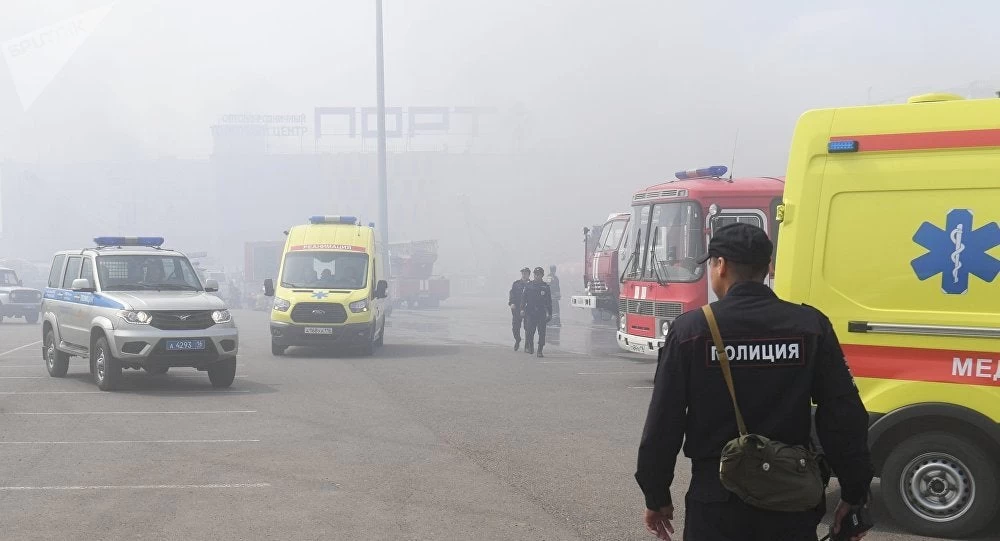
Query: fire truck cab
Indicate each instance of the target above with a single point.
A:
(669, 229)
(604, 246)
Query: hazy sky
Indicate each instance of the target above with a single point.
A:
(657, 81)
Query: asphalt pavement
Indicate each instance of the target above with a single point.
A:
(446, 433)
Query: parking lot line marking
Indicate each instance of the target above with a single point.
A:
(22, 377)
(50, 392)
(582, 361)
(210, 412)
(631, 387)
(197, 376)
(22, 366)
(135, 487)
(103, 442)
(20, 348)
(610, 373)
(130, 391)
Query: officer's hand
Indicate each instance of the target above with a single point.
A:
(843, 508)
(658, 522)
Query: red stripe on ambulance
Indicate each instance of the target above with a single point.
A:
(918, 364)
(924, 140)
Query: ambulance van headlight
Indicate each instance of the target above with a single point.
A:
(359, 306)
(281, 305)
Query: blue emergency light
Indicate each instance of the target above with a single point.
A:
(333, 220)
(835, 147)
(151, 242)
(713, 171)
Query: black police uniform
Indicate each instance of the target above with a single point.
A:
(514, 301)
(537, 307)
(785, 356)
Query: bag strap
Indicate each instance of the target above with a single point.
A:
(724, 361)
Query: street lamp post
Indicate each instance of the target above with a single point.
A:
(383, 196)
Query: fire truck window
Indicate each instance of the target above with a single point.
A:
(603, 242)
(675, 238)
(617, 230)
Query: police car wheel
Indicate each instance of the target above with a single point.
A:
(940, 485)
(56, 362)
(107, 369)
(31, 318)
(222, 373)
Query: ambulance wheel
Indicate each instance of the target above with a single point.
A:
(277, 350)
(56, 361)
(222, 373)
(106, 368)
(940, 485)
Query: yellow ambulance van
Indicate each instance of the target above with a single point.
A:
(331, 289)
(890, 226)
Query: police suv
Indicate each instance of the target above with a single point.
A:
(128, 303)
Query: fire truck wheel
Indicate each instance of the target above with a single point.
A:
(940, 485)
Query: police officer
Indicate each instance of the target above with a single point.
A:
(553, 282)
(537, 309)
(690, 401)
(514, 301)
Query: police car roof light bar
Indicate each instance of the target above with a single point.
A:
(149, 242)
(713, 171)
(333, 219)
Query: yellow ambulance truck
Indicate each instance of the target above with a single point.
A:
(331, 290)
(890, 226)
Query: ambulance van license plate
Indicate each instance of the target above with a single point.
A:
(318, 330)
(185, 345)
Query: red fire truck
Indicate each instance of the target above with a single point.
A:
(669, 229)
(604, 245)
(413, 281)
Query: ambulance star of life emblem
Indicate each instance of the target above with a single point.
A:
(319, 295)
(957, 251)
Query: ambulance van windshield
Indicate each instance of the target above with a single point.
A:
(325, 270)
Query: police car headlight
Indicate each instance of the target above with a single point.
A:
(281, 305)
(359, 306)
(136, 317)
(665, 327)
(222, 316)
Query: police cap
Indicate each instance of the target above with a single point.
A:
(539, 270)
(525, 269)
(740, 243)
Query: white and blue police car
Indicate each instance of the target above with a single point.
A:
(129, 303)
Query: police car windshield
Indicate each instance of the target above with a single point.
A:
(325, 270)
(673, 243)
(146, 272)
(8, 278)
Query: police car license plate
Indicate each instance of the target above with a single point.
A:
(318, 330)
(185, 345)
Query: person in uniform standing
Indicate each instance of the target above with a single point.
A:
(553, 282)
(786, 357)
(537, 309)
(514, 301)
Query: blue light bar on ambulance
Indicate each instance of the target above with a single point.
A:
(151, 242)
(714, 171)
(835, 147)
(333, 220)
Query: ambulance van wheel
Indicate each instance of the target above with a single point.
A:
(222, 373)
(56, 361)
(940, 485)
(107, 369)
(277, 350)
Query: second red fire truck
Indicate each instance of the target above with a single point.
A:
(669, 229)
